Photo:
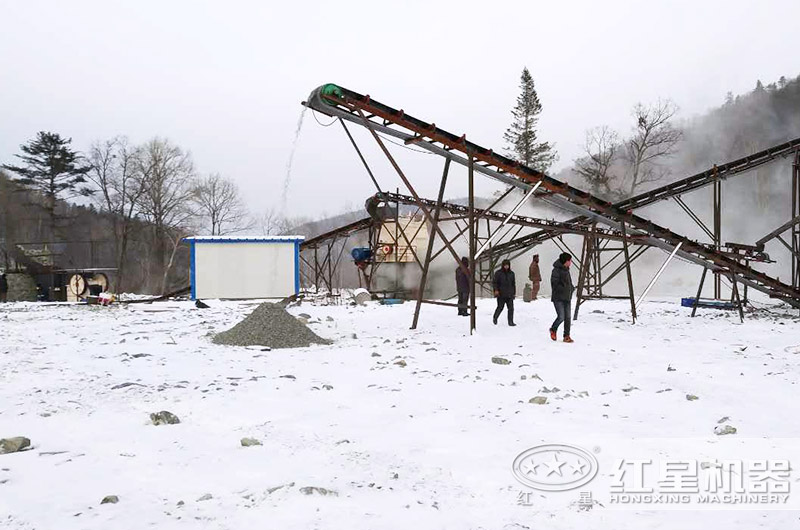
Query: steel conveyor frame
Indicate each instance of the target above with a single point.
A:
(339, 102)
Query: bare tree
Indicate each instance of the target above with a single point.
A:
(167, 174)
(600, 152)
(272, 223)
(174, 237)
(220, 205)
(654, 139)
(114, 172)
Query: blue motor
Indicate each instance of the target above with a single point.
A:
(361, 254)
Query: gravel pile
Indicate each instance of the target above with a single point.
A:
(270, 325)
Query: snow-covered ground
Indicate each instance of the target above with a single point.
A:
(427, 443)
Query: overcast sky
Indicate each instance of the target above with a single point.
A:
(225, 79)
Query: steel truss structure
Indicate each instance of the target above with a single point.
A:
(323, 267)
(384, 121)
(714, 177)
(487, 231)
(674, 190)
(322, 255)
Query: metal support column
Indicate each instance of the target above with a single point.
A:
(699, 291)
(796, 227)
(735, 299)
(582, 274)
(471, 245)
(316, 272)
(372, 266)
(744, 300)
(628, 270)
(431, 238)
(717, 231)
(330, 268)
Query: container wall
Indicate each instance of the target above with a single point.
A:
(244, 269)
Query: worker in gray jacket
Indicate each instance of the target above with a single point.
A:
(561, 285)
(505, 289)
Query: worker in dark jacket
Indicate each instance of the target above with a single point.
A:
(462, 286)
(3, 287)
(561, 284)
(505, 289)
(535, 276)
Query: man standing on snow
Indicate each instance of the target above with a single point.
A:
(462, 286)
(561, 284)
(3, 287)
(535, 276)
(505, 289)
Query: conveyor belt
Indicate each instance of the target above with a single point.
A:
(709, 176)
(556, 227)
(314, 242)
(335, 101)
(552, 228)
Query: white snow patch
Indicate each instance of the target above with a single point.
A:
(428, 445)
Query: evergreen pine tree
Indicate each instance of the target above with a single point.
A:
(729, 98)
(521, 137)
(51, 168)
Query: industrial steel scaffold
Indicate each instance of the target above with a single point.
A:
(459, 212)
(323, 268)
(381, 121)
(593, 267)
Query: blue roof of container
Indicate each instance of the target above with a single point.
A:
(243, 239)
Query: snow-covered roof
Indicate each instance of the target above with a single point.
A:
(243, 239)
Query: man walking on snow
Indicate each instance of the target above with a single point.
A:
(505, 289)
(561, 284)
(535, 276)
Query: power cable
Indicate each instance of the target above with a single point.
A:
(323, 124)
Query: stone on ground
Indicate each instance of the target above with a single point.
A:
(164, 417)
(721, 430)
(312, 490)
(12, 445)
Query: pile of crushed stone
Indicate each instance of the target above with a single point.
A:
(270, 325)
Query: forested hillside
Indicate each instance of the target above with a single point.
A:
(742, 125)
